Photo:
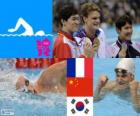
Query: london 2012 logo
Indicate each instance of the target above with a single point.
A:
(42, 41)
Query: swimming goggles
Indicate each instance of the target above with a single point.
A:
(25, 87)
(121, 73)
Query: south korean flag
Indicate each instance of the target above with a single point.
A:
(79, 106)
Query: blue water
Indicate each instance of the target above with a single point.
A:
(111, 105)
(27, 104)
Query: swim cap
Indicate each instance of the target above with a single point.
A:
(127, 64)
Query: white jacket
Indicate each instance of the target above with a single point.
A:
(80, 38)
(114, 49)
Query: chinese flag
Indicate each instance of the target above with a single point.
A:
(79, 87)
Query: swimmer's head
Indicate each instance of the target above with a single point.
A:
(24, 85)
(69, 18)
(126, 64)
(90, 13)
(125, 70)
(124, 27)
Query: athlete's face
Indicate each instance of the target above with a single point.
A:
(24, 85)
(125, 32)
(72, 23)
(123, 77)
(92, 20)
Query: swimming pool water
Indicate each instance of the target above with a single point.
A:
(17, 103)
(112, 105)
(54, 104)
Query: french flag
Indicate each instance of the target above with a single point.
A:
(79, 68)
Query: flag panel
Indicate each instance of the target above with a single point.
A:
(80, 106)
(80, 67)
(79, 87)
(71, 67)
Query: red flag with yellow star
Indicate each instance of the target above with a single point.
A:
(79, 87)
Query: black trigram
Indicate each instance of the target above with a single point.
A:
(73, 101)
(73, 111)
(86, 101)
(86, 111)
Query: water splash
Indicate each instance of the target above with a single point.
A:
(44, 104)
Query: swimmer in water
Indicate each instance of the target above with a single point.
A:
(28, 28)
(124, 86)
(52, 79)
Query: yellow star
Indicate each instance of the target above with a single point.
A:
(71, 82)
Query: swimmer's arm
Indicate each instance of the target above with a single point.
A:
(134, 90)
(101, 92)
(103, 79)
(57, 70)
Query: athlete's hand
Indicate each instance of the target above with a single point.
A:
(103, 79)
(11, 30)
(88, 48)
(122, 53)
(134, 85)
(96, 45)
